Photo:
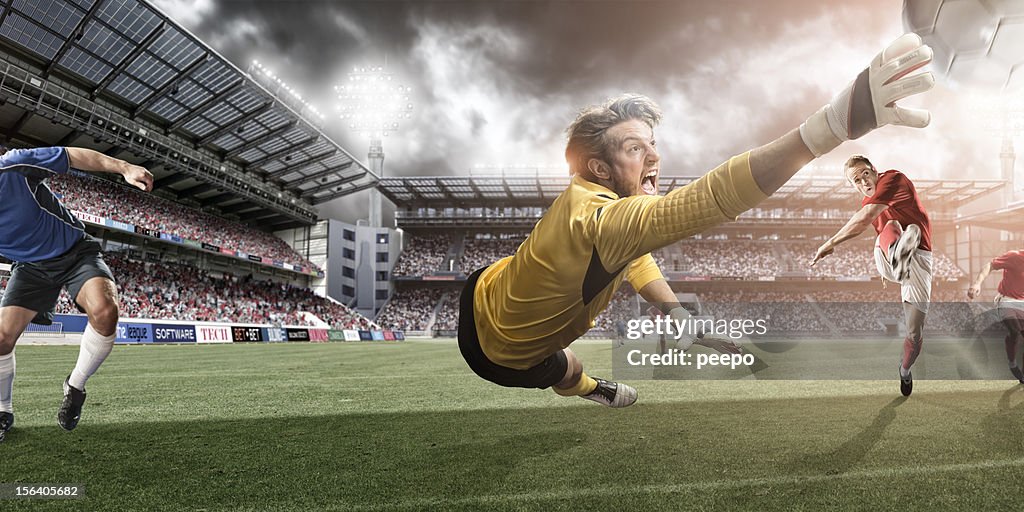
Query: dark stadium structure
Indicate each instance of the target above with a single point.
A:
(121, 77)
(239, 167)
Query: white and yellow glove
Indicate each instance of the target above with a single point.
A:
(681, 316)
(869, 101)
(686, 339)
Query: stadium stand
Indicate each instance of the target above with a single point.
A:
(422, 255)
(448, 316)
(174, 291)
(484, 250)
(110, 200)
(410, 310)
(735, 258)
(856, 258)
(741, 259)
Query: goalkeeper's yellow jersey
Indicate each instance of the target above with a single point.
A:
(538, 301)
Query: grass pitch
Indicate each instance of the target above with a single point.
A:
(406, 426)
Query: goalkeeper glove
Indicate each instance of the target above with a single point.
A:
(869, 101)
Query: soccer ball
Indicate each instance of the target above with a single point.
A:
(978, 44)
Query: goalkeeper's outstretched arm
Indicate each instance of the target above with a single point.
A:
(639, 224)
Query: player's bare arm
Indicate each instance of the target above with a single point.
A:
(975, 288)
(93, 161)
(853, 228)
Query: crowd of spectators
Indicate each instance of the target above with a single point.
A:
(110, 200)
(851, 259)
(775, 311)
(422, 255)
(447, 320)
(173, 291)
(621, 309)
(732, 258)
(409, 309)
(943, 267)
(741, 259)
(480, 252)
(857, 258)
(843, 311)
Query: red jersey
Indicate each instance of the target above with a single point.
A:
(896, 191)
(1012, 265)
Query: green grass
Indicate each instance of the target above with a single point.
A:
(369, 426)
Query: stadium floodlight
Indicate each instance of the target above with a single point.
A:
(1002, 116)
(283, 91)
(371, 102)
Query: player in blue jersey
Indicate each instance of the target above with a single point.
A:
(51, 250)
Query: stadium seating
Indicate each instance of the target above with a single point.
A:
(173, 291)
(856, 258)
(480, 252)
(729, 258)
(448, 317)
(740, 259)
(106, 199)
(422, 255)
(409, 310)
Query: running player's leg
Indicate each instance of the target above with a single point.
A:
(30, 295)
(13, 321)
(915, 292)
(1012, 322)
(98, 298)
(882, 261)
(887, 239)
(915, 328)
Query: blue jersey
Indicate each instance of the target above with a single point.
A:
(34, 225)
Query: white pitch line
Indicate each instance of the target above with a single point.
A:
(499, 499)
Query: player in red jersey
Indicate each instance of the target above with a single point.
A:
(903, 249)
(1009, 301)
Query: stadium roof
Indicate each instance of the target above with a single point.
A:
(1007, 218)
(126, 62)
(537, 190)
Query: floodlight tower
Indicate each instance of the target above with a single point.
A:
(372, 103)
(1003, 116)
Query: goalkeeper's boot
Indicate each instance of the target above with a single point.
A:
(71, 408)
(6, 422)
(612, 394)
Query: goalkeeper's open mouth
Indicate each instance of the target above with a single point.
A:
(649, 182)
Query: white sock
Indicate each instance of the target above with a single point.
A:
(904, 371)
(6, 382)
(93, 351)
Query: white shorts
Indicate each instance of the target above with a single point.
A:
(917, 290)
(1009, 307)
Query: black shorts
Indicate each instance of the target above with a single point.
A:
(37, 285)
(546, 374)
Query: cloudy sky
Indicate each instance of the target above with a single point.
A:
(495, 83)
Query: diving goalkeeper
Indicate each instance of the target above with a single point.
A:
(519, 314)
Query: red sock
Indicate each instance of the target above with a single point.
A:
(910, 351)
